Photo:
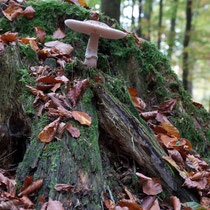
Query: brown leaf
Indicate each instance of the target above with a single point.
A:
(26, 40)
(64, 187)
(44, 87)
(26, 201)
(73, 130)
(36, 92)
(155, 205)
(148, 202)
(29, 12)
(131, 205)
(9, 183)
(1, 46)
(176, 204)
(138, 103)
(64, 112)
(148, 115)
(32, 188)
(55, 87)
(13, 12)
(40, 33)
(199, 185)
(166, 141)
(182, 173)
(176, 156)
(77, 2)
(142, 176)
(61, 47)
(58, 34)
(47, 134)
(74, 93)
(34, 45)
(198, 175)
(9, 37)
(61, 128)
(27, 181)
(82, 117)
(192, 162)
(94, 15)
(131, 197)
(54, 205)
(167, 106)
(133, 92)
(109, 204)
(197, 105)
(162, 118)
(9, 204)
(152, 187)
(171, 130)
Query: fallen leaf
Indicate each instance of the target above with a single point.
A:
(138, 103)
(152, 187)
(142, 176)
(9, 204)
(32, 187)
(133, 92)
(198, 175)
(9, 37)
(155, 205)
(60, 47)
(26, 201)
(1, 46)
(192, 162)
(74, 93)
(131, 205)
(12, 12)
(171, 130)
(27, 181)
(176, 156)
(33, 44)
(47, 134)
(131, 197)
(29, 12)
(54, 205)
(73, 130)
(64, 187)
(9, 183)
(199, 185)
(148, 202)
(176, 204)
(55, 87)
(82, 117)
(109, 204)
(197, 105)
(61, 128)
(148, 115)
(167, 106)
(40, 33)
(58, 34)
(36, 92)
(77, 2)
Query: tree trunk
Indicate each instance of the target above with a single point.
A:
(171, 39)
(160, 22)
(132, 16)
(187, 75)
(111, 8)
(139, 29)
(147, 16)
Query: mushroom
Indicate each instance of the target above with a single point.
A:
(95, 29)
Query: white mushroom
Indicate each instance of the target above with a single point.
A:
(95, 29)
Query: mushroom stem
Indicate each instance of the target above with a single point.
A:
(91, 51)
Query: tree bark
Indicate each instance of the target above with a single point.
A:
(160, 23)
(147, 16)
(186, 77)
(111, 8)
(132, 16)
(139, 29)
(171, 39)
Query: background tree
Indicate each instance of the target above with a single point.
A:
(160, 23)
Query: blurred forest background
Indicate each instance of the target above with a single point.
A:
(179, 28)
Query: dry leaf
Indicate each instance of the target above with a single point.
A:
(131, 197)
(64, 187)
(171, 130)
(133, 92)
(142, 176)
(138, 103)
(167, 106)
(199, 185)
(61, 47)
(26, 201)
(74, 93)
(82, 117)
(192, 162)
(155, 205)
(29, 12)
(40, 33)
(198, 175)
(152, 187)
(61, 128)
(77, 2)
(9, 204)
(54, 205)
(13, 12)
(58, 34)
(9, 183)
(109, 204)
(148, 115)
(27, 181)
(131, 205)
(176, 204)
(9, 37)
(73, 130)
(32, 187)
(148, 202)
(47, 134)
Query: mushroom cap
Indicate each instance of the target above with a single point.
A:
(95, 27)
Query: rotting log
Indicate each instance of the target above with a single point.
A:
(13, 126)
(72, 161)
(138, 141)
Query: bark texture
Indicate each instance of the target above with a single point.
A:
(160, 22)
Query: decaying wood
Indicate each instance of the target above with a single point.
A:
(13, 127)
(137, 140)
